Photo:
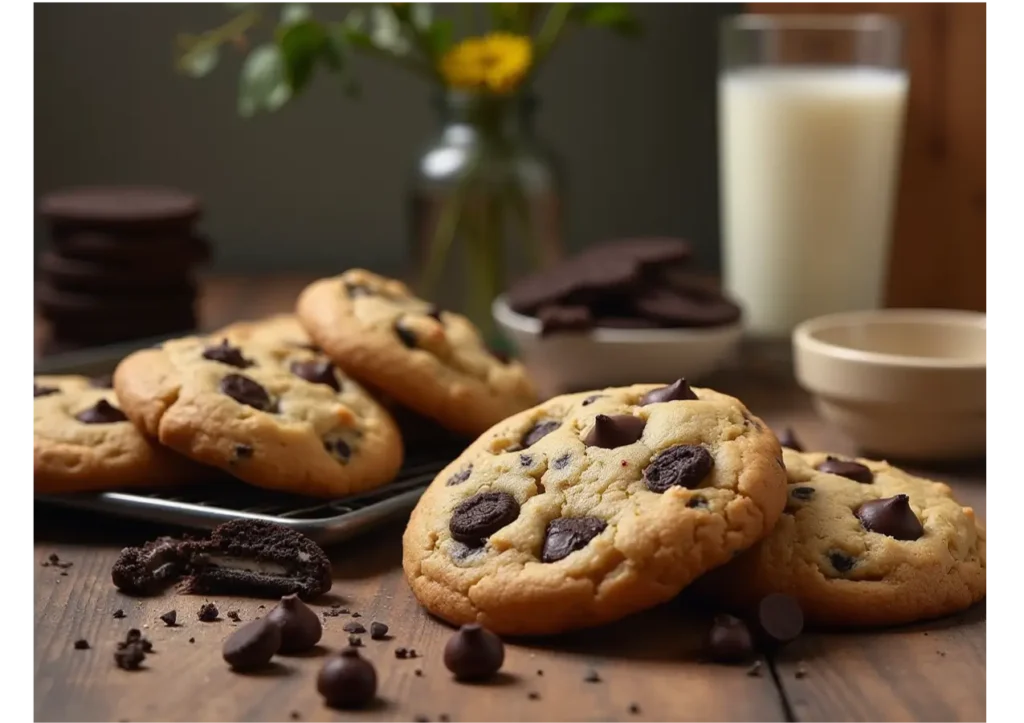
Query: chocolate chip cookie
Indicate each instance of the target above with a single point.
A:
(84, 442)
(430, 360)
(593, 506)
(276, 417)
(277, 330)
(861, 543)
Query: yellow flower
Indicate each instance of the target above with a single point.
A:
(497, 63)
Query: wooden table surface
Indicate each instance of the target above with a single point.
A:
(648, 664)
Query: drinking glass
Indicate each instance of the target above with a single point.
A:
(811, 113)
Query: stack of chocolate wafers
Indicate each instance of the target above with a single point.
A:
(120, 266)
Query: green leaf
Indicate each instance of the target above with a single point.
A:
(263, 83)
(614, 16)
(439, 37)
(302, 45)
(295, 13)
(199, 60)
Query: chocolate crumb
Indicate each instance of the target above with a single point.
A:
(356, 615)
(418, 673)
(170, 618)
(592, 676)
(540, 672)
(801, 671)
(634, 708)
(133, 635)
(413, 653)
(941, 652)
(294, 715)
(378, 631)
(335, 604)
(53, 558)
(354, 628)
(208, 613)
(64, 573)
(443, 718)
(533, 695)
(401, 653)
(81, 644)
(262, 606)
(233, 614)
(119, 613)
(754, 671)
(331, 613)
(355, 641)
(129, 657)
(191, 640)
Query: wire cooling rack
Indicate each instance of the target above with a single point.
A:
(206, 505)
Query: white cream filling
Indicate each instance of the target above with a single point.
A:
(241, 563)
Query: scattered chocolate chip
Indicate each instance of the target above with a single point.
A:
(356, 614)
(170, 618)
(413, 653)
(102, 412)
(474, 653)
(540, 672)
(561, 462)
(460, 476)
(891, 516)
(729, 640)
(103, 381)
(119, 613)
(634, 708)
(779, 618)
(405, 335)
(300, 627)
(592, 676)
(191, 640)
(347, 680)
(566, 535)
(697, 502)
(234, 616)
(81, 644)
(590, 400)
(252, 645)
(339, 448)
(533, 695)
(227, 354)
(844, 468)
(841, 561)
(378, 631)
(42, 391)
(538, 431)
(788, 439)
(418, 673)
(246, 391)
(317, 372)
(619, 430)
(208, 612)
(684, 465)
(355, 641)
(354, 627)
(129, 657)
(295, 715)
(678, 390)
(480, 516)
(802, 493)
(754, 671)
(401, 653)
(243, 451)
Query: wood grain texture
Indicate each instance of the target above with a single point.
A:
(650, 659)
(938, 253)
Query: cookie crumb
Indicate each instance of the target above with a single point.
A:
(418, 673)
(81, 644)
(533, 695)
(129, 657)
(941, 652)
(295, 715)
(191, 640)
(170, 618)
(356, 615)
(540, 672)
(208, 613)
(634, 708)
(234, 616)
(413, 653)
(443, 718)
(754, 671)
(355, 641)
(64, 573)
(401, 653)
(119, 613)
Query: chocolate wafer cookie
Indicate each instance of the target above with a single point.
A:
(120, 206)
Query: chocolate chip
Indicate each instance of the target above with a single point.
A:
(788, 439)
(119, 613)
(590, 400)
(697, 502)
(246, 391)
(525, 460)
(129, 657)
(480, 516)
(474, 653)
(565, 535)
(460, 476)
(540, 672)
(41, 391)
(405, 335)
(619, 430)
(243, 451)
(634, 708)
(683, 466)
(538, 431)
(779, 618)
(677, 391)
(234, 616)
(355, 290)
(295, 715)
(729, 640)
(317, 372)
(339, 448)
(354, 627)
(208, 612)
(103, 381)
(561, 462)
(253, 645)
(802, 493)
(357, 615)
(170, 618)
(844, 468)
(81, 644)
(592, 677)
(418, 673)
(378, 631)
(841, 562)
(533, 695)
(227, 354)
(355, 641)
(191, 640)
(300, 627)
(102, 412)
(891, 516)
(347, 680)
(401, 653)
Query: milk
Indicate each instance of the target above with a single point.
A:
(808, 171)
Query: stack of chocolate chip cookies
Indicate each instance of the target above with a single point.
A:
(120, 264)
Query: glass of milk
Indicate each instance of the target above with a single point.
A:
(811, 113)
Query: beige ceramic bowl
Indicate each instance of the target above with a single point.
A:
(903, 383)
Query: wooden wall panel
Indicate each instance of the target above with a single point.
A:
(938, 255)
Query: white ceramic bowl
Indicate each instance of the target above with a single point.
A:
(614, 357)
(902, 383)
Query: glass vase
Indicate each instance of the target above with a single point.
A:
(485, 203)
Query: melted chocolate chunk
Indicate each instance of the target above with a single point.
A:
(678, 390)
(480, 516)
(844, 468)
(538, 431)
(619, 430)
(227, 354)
(683, 466)
(102, 412)
(802, 493)
(460, 476)
(317, 372)
(566, 535)
(246, 391)
(841, 561)
(339, 448)
(42, 391)
(697, 502)
(891, 516)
